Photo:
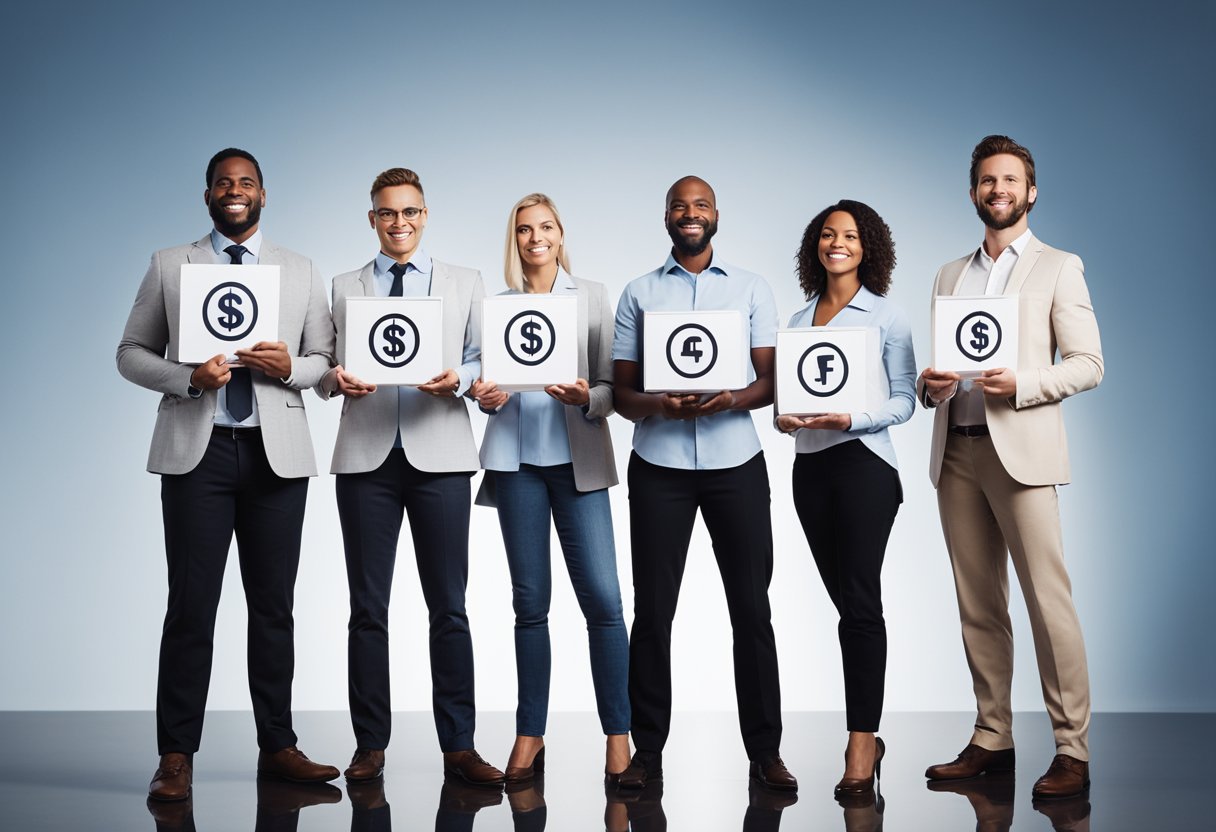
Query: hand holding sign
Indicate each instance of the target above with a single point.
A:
(350, 386)
(1001, 382)
(212, 374)
(577, 394)
(271, 357)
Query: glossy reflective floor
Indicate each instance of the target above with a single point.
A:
(67, 771)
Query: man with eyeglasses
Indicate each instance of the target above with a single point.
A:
(409, 449)
(233, 450)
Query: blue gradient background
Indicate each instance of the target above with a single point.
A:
(113, 111)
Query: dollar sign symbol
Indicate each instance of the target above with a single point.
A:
(980, 330)
(690, 348)
(232, 317)
(529, 331)
(392, 334)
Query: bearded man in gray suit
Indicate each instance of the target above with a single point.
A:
(409, 450)
(233, 450)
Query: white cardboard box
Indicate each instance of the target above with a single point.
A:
(224, 308)
(529, 341)
(973, 334)
(394, 341)
(694, 352)
(828, 369)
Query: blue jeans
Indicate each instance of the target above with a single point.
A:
(526, 499)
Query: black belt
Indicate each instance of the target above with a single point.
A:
(229, 432)
(969, 431)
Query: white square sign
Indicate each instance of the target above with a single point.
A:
(973, 334)
(394, 340)
(529, 342)
(224, 308)
(694, 352)
(827, 369)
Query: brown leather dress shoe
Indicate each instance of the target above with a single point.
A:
(471, 768)
(291, 764)
(972, 761)
(771, 773)
(367, 764)
(172, 778)
(862, 785)
(1066, 777)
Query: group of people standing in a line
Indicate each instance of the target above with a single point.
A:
(233, 450)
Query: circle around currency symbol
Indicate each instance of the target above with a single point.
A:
(713, 350)
(550, 340)
(844, 370)
(250, 319)
(965, 326)
(377, 331)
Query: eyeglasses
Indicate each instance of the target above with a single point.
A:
(388, 215)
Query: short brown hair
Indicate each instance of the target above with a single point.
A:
(396, 176)
(994, 146)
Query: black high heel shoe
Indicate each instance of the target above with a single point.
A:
(526, 774)
(852, 786)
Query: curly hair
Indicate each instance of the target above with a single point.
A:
(877, 250)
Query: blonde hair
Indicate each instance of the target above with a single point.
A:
(513, 270)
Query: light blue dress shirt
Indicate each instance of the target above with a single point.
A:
(254, 246)
(723, 440)
(416, 283)
(867, 309)
(539, 420)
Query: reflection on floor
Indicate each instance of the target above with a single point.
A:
(64, 771)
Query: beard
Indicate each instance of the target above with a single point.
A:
(692, 246)
(229, 227)
(1016, 212)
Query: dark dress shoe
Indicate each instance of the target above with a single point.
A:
(291, 764)
(471, 768)
(862, 785)
(367, 764)
(973, 761)
(172, 778)
(526, 774)
(771, 773)
(1066, 777)
(645, 767)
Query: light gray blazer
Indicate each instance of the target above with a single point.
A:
(147, 355)
(435, 433)
(590, 438)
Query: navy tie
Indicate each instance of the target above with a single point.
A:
(398, 270)
(240, 386)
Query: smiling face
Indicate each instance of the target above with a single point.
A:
(399, 234)
(692, 216)
(235, 198)
(538, 236)
(1001, 194)
(840, 248)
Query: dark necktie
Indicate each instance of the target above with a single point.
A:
(240, 386)
(398, 270)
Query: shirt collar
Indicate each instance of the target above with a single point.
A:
(672, 265)
(865, 300)
(419, 261)
(1018, 246)
(253, 245)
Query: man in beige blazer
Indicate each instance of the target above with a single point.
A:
(409, 449)
(233, 450)
(998, 453)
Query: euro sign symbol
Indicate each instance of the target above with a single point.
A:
(980, 342)
(535, 342)
(392, 334)
(825, 366)
(232, 317)
(690, 348)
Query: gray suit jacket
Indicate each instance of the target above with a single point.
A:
(147, 355)
(1054, 314)
(590, 438)
(435, 432)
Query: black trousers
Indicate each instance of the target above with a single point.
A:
(233, 489)
(370, 508)
(847, 497)
(734, 504)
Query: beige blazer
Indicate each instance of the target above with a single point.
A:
(590, 438)
(435, 432)
(147, 355)
(1054, 315)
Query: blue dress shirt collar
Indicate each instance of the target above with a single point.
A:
(253, 245)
